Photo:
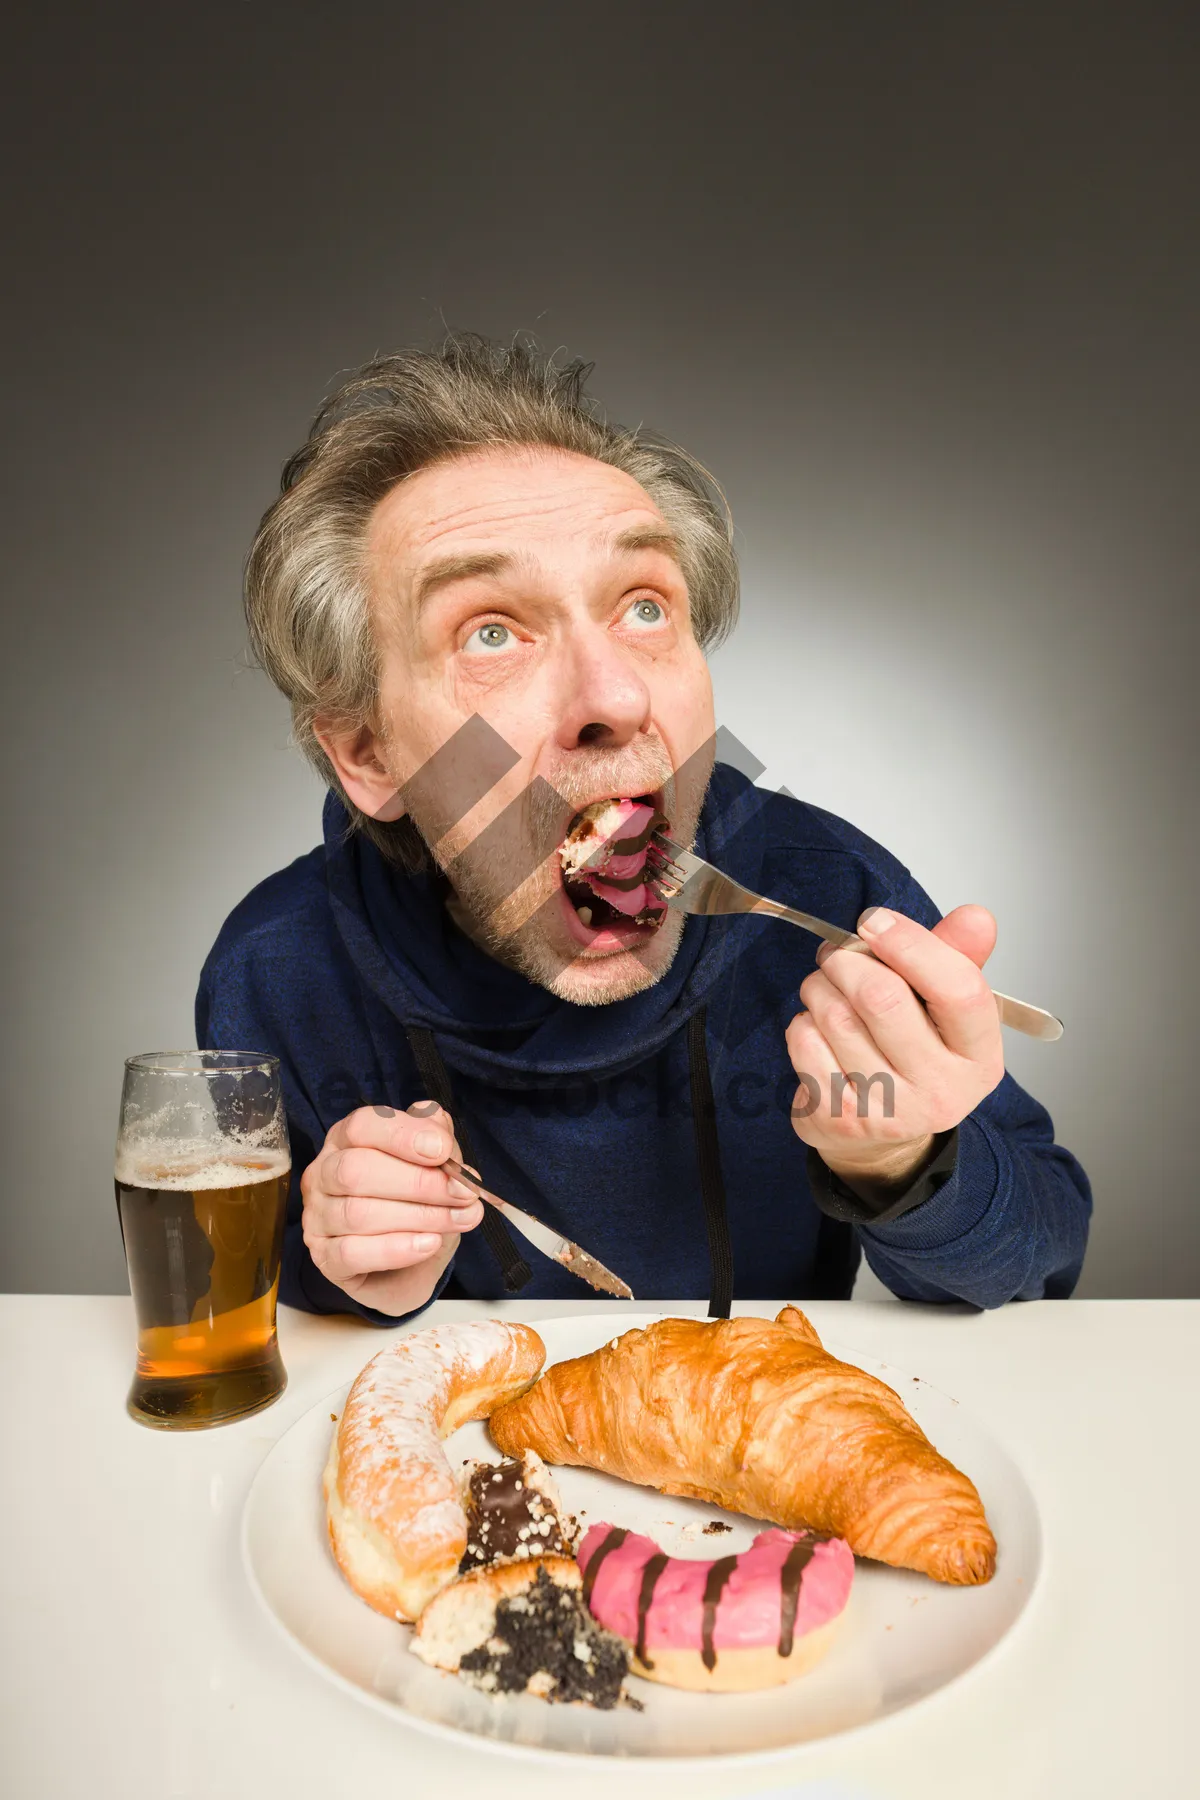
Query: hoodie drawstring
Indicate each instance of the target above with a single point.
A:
(513, 1267)
(712, 1181)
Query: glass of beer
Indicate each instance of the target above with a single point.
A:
(202, 1172)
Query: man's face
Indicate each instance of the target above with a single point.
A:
(540, 590)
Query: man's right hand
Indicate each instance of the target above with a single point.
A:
(381, 1220)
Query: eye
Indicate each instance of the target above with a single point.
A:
(645, 612)
(491, 636)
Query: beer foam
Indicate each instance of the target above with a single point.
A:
(192, 1167)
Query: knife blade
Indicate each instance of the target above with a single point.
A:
(551, 1243)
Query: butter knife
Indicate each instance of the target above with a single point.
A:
(559, 1249)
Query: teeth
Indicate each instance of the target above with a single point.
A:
(585, 913)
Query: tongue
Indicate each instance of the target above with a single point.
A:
(627, 900)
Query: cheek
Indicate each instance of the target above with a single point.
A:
(682, 708)
(415, 735)
(683, 696)
(510, 691)
(422, 718)
(520, 718)
(463, 730)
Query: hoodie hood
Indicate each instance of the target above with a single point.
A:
(492, 1023)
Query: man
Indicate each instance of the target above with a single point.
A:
(489, 609)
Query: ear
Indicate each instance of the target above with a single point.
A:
(357, 758)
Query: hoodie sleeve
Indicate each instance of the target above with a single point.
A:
(1010, 1219)
(1009, 1223)
(234, 1012)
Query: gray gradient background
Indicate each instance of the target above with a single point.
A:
(921, 288)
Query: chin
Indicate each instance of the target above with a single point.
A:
(599, 980)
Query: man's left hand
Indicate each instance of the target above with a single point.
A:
(865, 1020)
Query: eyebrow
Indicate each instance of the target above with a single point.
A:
(499, 562)
(645, 537)
(459, 568)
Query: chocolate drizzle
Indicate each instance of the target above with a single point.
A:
(650, 1575)
(795, 1563)
(718, 1575)
(791, 1575)
(613, 1541)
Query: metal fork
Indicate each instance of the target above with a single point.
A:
(689, 884)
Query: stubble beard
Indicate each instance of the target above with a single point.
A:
(584, 980)
(490, 893)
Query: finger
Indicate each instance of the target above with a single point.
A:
(971, 929)
(344, 1257)
(960, 1002)
(425, 1137)
(381, 1175)
(889, 1012)
(353, 1215)
(847, 1034)
(815, 1066)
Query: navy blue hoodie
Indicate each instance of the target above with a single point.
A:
(583, 1115)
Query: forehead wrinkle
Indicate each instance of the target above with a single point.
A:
(443, 570)
(486, 511)
(482, 512)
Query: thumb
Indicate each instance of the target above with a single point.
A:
(970, 929)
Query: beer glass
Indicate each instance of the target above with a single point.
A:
(202, 1170)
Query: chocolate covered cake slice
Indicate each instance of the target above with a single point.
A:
(588, 844)
(604, 862)
(514, 1511)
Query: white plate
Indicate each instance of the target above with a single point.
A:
(903, 1636)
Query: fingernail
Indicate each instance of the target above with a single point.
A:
(385, 1112)
(426, 1243)
(824, 950)
(429, 1143)
(876, 920)
(460, 1214)
(459, 1189)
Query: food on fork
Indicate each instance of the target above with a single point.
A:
(514, 1511)
(758, 1418)
(394, 1510)
(604, 861)
(522, 1627)
(728, 1625)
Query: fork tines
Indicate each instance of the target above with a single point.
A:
(664, 872)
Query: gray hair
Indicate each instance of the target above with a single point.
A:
(307, 604)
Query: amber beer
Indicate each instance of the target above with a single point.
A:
(202, 1223)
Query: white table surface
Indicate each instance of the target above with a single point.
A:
(136, 1662)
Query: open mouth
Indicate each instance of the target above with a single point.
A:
(604, 867)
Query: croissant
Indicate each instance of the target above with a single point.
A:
(758, 1418)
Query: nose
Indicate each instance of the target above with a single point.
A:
(604, 699)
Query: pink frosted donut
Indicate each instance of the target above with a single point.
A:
(729, 1625)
